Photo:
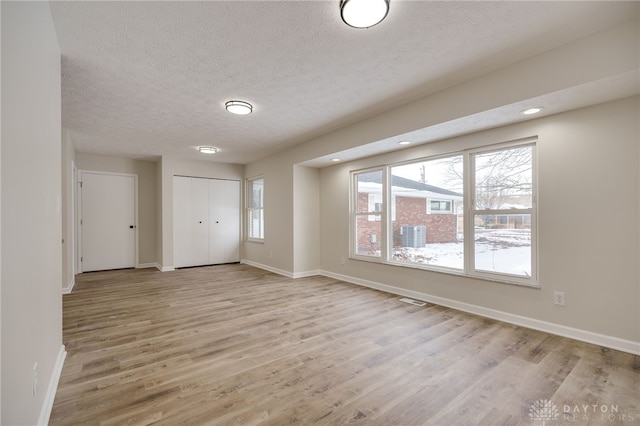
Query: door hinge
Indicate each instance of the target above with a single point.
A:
(81, 259)
(80, 222)
(80, 184)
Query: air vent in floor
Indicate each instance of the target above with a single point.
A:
(412, 301)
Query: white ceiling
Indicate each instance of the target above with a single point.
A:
(144, 79)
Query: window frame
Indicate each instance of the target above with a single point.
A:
(469, 213)
(370, 215)
(249, 210)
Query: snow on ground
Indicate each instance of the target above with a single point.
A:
(497, 250)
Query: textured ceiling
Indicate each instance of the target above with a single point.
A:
(144, 79)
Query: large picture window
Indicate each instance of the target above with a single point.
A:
(470, 213)
(255, 208)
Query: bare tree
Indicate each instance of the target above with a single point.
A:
(503, 178)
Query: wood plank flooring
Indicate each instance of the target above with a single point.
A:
(235, 345)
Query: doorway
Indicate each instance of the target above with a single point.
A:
(107, 221)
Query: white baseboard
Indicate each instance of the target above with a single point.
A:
(150, 265)
(305, 274)
(69, 287)
(166, 268)
(287, 274)
(560, 330)
(50, 396)
(267, 268)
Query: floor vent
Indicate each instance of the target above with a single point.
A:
(412, 301)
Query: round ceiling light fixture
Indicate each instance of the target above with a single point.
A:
(335, 160)
(404, 143)
(207, 149)
(239, 107)
(363, 13)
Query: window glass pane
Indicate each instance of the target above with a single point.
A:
(369, 188)
(368, 236)
(255, 211)
(368, 227)
(432, 236)
(256, 188)
(504, 179)
(256, 220)
(503, 244)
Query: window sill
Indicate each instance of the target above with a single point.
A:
(255, 241)
(443, 270)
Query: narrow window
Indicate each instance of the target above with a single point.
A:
(255, 208)
(368, 207)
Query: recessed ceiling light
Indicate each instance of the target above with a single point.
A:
(404, 143)
(335, 160)
(531, 111)
(239, 107)
(363, 13)
(207, 149)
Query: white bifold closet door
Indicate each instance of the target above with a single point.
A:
(206, 227)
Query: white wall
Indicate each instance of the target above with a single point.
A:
(306, 220)
(68, 201)
(31, 220)
(588, 172)
(170, 167)
(277, 250)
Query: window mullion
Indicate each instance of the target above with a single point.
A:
(386, 213)
(469, 202)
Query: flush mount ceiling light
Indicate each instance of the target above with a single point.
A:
(404, 143)
(363, 13)
(239, 107)
(531, 111)
(335, 160)
(207, 149)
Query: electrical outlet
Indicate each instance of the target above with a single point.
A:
(34, 379)
(558, 298)
(342, 260)
(271, 254)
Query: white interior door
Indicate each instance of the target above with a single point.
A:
(224, 219)
(108, 220)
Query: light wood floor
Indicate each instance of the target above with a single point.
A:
(236, 345)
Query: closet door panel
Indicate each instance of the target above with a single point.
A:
(224, 219)
(200, 221)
